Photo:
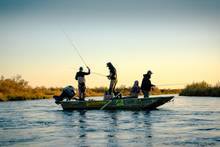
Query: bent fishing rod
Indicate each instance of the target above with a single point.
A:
(73, 45)
(77, 51)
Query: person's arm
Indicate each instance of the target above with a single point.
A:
(152, 85)
(113, 73)
(110, 75)
(76, 77)
(89, 71)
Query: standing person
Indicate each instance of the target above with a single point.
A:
(112, 77)
(146, 84)
(80, 76)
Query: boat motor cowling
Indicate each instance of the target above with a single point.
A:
(67, 93)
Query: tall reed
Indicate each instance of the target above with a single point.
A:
(201, 89)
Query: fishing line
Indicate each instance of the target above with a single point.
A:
(99, 74)
(172, 84)
(76, 49)
(73, 45)
(95, 73)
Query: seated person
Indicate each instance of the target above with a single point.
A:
(135, 90)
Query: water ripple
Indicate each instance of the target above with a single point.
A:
(187, 121)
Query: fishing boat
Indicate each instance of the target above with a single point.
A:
(117, 103)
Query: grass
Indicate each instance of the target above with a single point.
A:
(201, 89)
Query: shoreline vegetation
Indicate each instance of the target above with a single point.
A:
(16, 88)
(201, 89)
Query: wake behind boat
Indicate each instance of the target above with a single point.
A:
(117, 103)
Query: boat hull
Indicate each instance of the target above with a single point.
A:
(115, 104)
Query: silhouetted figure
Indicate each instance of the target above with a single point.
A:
(80, 76)
(146, 84)
(135, 90)
(112, 77)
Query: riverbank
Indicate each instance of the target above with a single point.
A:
(201, 89)
(16, 88)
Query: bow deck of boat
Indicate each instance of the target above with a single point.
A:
(123, 103)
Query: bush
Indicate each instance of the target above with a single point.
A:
(18, 89)
(201, 89)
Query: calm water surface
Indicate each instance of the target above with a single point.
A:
(187, 121)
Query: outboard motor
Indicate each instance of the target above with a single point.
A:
(67, 93)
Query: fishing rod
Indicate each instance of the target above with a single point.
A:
(172, 84)
(76, 49)
(99, 74)
(73, 45)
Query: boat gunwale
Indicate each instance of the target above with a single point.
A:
(72, 105)
(142, 98)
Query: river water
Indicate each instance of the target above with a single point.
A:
(187, 121)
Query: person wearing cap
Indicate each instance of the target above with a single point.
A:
(146, 84)
(80, 77)
(112, 77)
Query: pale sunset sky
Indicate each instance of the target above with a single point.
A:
(179, 40)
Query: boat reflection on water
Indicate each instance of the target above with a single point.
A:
(114, 128)
(82, 128)
(144, 125)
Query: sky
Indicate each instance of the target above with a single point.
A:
(179, 40)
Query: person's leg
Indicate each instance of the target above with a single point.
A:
(111, 87)
(83, 94)
(114, 85)
(80, 91)
(84, 91)
(146, 93)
